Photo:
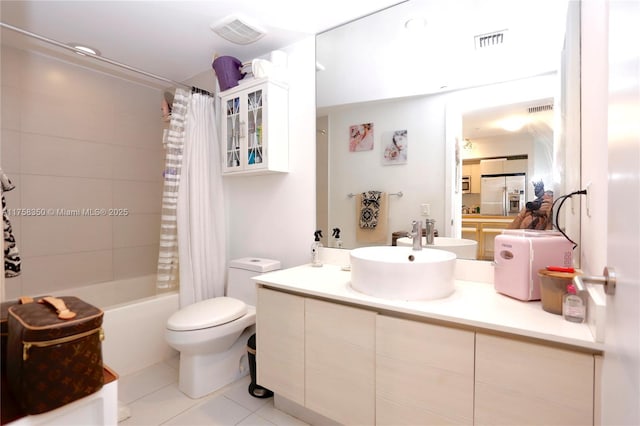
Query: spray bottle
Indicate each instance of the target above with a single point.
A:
(315, 249)
(336, 235)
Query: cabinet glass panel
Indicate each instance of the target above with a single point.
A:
(254, 127)
(233, 133)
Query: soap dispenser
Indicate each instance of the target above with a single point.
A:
(315, 249)
(336, 235)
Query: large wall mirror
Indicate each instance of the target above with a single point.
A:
(413, 98)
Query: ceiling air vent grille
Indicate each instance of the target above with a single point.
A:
(540, 108)
(495, 38)
(237, 30)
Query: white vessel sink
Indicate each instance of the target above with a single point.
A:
(400, 273)
(463, 248)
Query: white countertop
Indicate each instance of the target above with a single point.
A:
(489, 220)
(474, 304)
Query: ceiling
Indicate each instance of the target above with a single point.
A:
(173, 38)
(509, 119)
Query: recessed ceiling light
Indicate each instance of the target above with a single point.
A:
(85, 49)
(513, 123)
(415, 24)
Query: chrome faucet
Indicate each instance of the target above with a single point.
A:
(430, 231)
(416, 234)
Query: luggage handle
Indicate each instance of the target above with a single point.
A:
(60, 307)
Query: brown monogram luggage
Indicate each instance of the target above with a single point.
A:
(4, 332)
(4, 328)
(54, 352)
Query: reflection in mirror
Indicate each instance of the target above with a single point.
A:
(428, 86)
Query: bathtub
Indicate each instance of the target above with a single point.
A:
(135, 315)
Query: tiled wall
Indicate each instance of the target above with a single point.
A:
(73, 138)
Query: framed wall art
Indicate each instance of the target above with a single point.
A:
(361, 137)
(395, 147)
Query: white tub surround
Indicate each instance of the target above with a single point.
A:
(134, 333)
(134, 321)
(475, 357)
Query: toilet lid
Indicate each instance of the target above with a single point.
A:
(207, 313)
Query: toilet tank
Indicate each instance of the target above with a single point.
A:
(239, 283)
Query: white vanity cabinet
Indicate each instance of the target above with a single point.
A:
(520, 382)
(340, 364)
(424, 373)
(355, 364)
(280, 343)
(317, 354)
(255, 128)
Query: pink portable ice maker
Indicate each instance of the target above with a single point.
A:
(518, 256)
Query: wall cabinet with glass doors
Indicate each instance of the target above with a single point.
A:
(255, 128)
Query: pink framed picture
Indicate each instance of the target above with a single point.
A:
(361, 137)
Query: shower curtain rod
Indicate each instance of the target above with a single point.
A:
(101, 58)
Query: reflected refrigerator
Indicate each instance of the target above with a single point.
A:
(502, 195)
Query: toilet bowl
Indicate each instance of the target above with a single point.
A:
(211, 335)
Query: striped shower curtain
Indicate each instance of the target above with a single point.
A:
(173, 143)
(192, 239)
(201, 219)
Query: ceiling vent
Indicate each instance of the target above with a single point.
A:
(238, 30)
(495, 38)
(540, 108)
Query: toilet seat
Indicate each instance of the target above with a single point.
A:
(207, 313)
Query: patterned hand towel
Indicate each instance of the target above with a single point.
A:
(369, 209)
(12, 261)
(380, 234)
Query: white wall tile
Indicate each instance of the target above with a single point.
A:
(51, 235)
(135, 261)
(65, 80)
(43, 274)
(136, 230)
(65, 192)
(10, 155)
(11, 107)
(13, 288)
(139, 118)
(11, 66)
(138, 130)
(138, 197)
(49, 115)
(140, 100)
(55, 156)
(46, 115)
(138, 164)
(72, 137)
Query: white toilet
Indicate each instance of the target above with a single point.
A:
(212, 335)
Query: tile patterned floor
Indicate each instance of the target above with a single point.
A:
(153, 398)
